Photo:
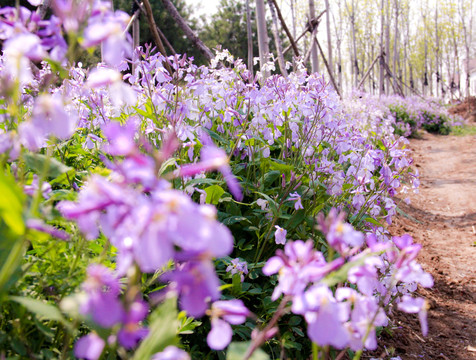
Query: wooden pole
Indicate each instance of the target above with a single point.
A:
(286, 30)
(155, 33)
(277, 40)
(186, 29)
(262, 35)
(327, 66)
(308, 28)
(367, 72)
(249, 33)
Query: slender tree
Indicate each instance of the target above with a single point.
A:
(277, 39)
(330, 60)
(263, 44)
(312, 16)
(249, 36)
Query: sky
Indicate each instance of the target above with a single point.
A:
(204, 7)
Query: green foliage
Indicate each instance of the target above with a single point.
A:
(163, 330)
(170, 29)
(236, 351)
(227, 29)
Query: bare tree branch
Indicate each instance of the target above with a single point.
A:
(286, 30)
(155, 33)
(43, 8)
(187, 30)
(327, 66)
(309, 27)
(277, 40)
(249, 33)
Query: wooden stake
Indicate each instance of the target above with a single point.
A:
(327, 67)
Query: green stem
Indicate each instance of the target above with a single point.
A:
(12, 262)
(315, 351)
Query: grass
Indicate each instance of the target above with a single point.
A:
(464, 130)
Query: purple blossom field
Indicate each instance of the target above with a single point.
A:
(152, 208)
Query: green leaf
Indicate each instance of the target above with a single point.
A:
(206, 181)
(272, 204)
(166, 164)
(214, 194)
(215, 136)
(340, 275)
(162, 330)
(235, 219)
(11, 204)
(236, 280)
(283, 168)
(40, 308)
(270, 177)
(237, 351)
(297, 219)
(372, 220)
(39, 162)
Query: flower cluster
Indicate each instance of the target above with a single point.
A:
(349, 317)
(124, 161)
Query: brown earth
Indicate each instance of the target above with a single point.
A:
(442, 217)
(466, 109)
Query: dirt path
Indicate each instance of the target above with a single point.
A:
(442, 217)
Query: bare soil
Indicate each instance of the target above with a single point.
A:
(466, 109)
(442, 217)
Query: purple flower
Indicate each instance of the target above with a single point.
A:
(10, 145)
(119, 92)
(30, 137)
(102, 291)
(50, 117)
(366, 276)
(238, 267)
(197, 285)
(298, 266)
(297, 199)
(39, 225)
(413, 305)
(408, 250)
(71, 13)
(224, 313)
(97, 195)
(107, 28)
(121, 139)
(89, 347)
(340, 235)
(171, 353)
(213, 158)
(33, 187)
(280, 235)
(366, 316)
(132, 332)
(324, 315)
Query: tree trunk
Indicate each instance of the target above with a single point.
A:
(329, 41)
(293, 18)
(135, 38)
(277, 40)
(387, 42)
(43, 8)
(249, 33)
(314, 58)
(354, 46)
(262, 36)
(186, 29)
(395, 44)
(437, 51)
(339, 47)
(382, 67)
(283, 24)
(327, 66)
